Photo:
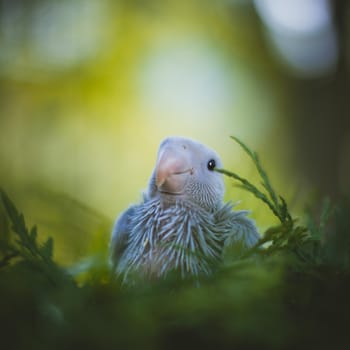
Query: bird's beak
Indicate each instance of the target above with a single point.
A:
(172, 170)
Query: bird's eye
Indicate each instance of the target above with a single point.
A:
(211, 164)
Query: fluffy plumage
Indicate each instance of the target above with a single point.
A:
(182, 223)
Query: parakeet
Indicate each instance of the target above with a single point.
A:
(182, 222)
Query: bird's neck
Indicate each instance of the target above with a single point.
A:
(169, 200)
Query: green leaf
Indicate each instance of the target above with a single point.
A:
(33, 234)
(27, 247)
(246, 185)
(286, 236)
(266, 181)
(47, 249)
(9, 206)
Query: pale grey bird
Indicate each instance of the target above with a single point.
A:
(182, 223)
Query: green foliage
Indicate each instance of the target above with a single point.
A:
(287, 236)
(276, 203)
(27, 240)
(25, 246)
(282, 292)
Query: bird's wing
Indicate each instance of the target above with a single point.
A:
(120, 233)
(242, 230)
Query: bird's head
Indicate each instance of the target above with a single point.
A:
(185, 171)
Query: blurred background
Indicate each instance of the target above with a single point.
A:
(89, 88)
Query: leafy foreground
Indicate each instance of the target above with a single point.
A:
(290, 290)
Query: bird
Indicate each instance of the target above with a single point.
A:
(182, 223)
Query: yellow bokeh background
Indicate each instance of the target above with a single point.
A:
(90, 88)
